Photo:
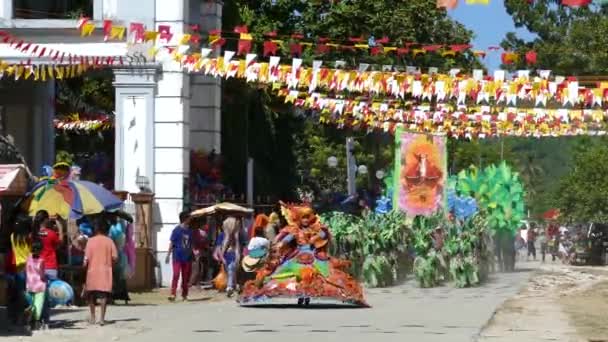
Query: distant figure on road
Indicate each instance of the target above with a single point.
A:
(531, 243)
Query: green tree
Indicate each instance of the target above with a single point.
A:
(569, 41)
(583, 193)
(278, 135)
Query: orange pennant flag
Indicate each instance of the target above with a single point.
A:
(450, 4)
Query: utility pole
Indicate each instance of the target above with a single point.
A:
(351, 166)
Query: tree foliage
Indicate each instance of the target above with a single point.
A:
(569, 41)
(583, 193)
(291, 151)
(401, 21)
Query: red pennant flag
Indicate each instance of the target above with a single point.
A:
(195, 38)
(295, 49)
(42, 52)
(576, 3)
(323, 39)
(26, 47)
(244, 47)
(62, 56)
(460, 47)
(531, 57)
(272, 34)
(383, 40)
(138, 30)
(35, 49)
(431, 48)
(215, 32)
(164, 32)
(110, 60)
(195, 27)
(451, 4)
(402, 51)
(270, 48)
(376, 50)
(107, 27)
(322, 49)
(241, 29)
(297, 36)
(18, 46)
(218, 43)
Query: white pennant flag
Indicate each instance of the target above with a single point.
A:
(205, 52)
(228, 56)
(293, 76)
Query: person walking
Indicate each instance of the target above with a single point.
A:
(199, 250)
(230, 251)
(531, 243)
(36, 285)
(180, 249)
(99, 256)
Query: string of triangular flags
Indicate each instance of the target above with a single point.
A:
(451, 4)
(40, 72)
(539, 90)
(293, 45)
(58, 57)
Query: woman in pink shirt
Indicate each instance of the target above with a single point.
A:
(99, 256)
(35, 282)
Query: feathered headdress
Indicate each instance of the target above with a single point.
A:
(294, 212)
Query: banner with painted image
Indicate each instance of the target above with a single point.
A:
(421, 173)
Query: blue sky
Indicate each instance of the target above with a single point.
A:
(490, 24)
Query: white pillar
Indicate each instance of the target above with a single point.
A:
(205, 107)
(6, 9)
(172, 134)
(134, 127)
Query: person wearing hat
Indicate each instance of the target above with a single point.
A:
(257, 250)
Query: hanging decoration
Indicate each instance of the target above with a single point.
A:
(539, 91)
(82, 123)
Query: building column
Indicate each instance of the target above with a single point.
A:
(134, 125)
(205, 107)
(172, 135)
(43, 149)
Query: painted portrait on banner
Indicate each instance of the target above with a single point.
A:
(422, 173)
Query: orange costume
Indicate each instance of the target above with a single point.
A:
(298, 266)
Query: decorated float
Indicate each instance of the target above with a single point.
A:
(298, 268)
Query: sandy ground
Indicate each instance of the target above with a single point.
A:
(560, 303)
(406, 312)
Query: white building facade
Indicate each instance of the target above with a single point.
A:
(162, 112)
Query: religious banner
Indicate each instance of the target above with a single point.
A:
(421, 169)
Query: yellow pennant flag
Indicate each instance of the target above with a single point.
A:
(19, 72)
(246, 36)
(50, 71)
(28, 72)
(59, 72)
(362, 46)
(416, 52)
(150, 35)
(477, 2)
(118, 32)
(185, 39)
(87, 29)
(36, 73)
(42, 69)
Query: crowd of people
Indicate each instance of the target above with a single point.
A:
(32, 266)
(198, 250)
(552, 239)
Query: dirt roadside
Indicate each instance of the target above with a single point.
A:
(560, 303)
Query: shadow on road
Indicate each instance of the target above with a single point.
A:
(308, 307)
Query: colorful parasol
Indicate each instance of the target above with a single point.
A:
(70, 198)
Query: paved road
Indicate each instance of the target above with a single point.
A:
(403, 313)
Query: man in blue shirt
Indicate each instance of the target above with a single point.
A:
(180, 250)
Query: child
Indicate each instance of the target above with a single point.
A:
(36, 283)
(99, 256)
